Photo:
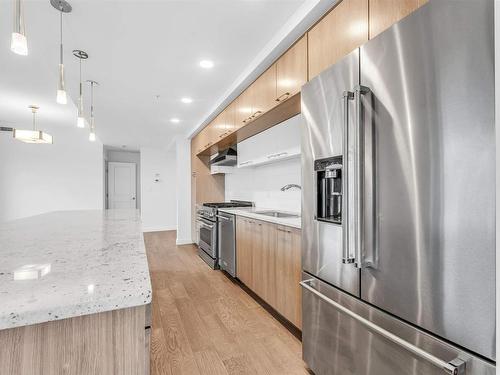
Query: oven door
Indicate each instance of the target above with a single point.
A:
(208, 236)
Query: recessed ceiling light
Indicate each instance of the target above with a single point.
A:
(175, 120)
(206, 64)
(186, 100)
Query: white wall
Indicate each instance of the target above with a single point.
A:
(128, 157)
(262, 185)
(183, 179)
(34, 179)
(158, 200)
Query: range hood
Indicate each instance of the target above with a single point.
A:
(225, 158)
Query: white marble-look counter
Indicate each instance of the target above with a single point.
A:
(70, 263)
(251, 212)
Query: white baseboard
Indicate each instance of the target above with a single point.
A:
(158, 228)
(185, 241)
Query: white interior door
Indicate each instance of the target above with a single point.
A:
(121, 185)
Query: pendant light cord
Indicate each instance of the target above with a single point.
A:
(81, 89)
(92, 102)
(61, 32)
(34, 114)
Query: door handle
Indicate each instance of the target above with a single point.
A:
(358, 191)
(454, 367)
(347, 256)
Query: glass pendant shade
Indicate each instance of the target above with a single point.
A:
(32, 136)
(19, 42)
(61, 92)
(80, 122)
(92, 137)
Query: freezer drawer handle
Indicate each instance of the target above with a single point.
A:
(454, 367)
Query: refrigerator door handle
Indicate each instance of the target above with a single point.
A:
(347, 255)
(357, 231)
(454, 367)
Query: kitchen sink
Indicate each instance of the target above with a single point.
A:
(277, 214)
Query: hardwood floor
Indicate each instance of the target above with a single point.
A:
(203, 323)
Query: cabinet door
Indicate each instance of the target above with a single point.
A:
(385, 13)
(341, 31)
(244, 252)
(263, 92)
(216, 128)
(287, 271)
(202, 140)
(243, 108)
(291, 71)
(263, 265)
(230, 118)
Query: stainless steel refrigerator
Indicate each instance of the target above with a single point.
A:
(398, 200)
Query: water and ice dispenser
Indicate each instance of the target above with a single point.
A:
(329, 189)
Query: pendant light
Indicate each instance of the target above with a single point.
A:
(63, 7)
(19, 43)
(32, 136)
(80, 121)
(92, 120)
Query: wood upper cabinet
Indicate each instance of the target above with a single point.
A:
(243, 108)
(341, 31)
(263, 92)
(291, 71)
(385, 13)
(230, 118)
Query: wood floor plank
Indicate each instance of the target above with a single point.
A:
(205, 323)
(209, 363)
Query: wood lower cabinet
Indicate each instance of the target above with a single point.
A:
(268, 261)
(287, 261)
(341, 31)
(244, 256)
(385, 13)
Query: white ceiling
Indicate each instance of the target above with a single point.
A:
(138, 49)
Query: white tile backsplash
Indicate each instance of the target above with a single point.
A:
(262, 185)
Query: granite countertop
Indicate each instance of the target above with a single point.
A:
(250, 212)
(70, 263)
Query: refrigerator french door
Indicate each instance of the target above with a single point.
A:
(402, 280)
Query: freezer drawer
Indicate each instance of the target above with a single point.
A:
(362, 340)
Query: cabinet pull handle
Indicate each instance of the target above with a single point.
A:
(285, 96)
(258, 113)
(246, 162)
(277, 155)
(284, 230)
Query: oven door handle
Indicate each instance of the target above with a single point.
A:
(205, 225)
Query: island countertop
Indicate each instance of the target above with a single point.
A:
(70, 263)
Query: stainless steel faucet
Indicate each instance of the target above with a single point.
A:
(289, 186)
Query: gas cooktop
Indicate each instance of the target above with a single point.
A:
(228, 204)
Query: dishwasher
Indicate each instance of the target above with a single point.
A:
(227, 242)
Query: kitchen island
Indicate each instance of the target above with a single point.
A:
(75, 293)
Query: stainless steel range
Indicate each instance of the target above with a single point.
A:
(207, 229)
(398, 200)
